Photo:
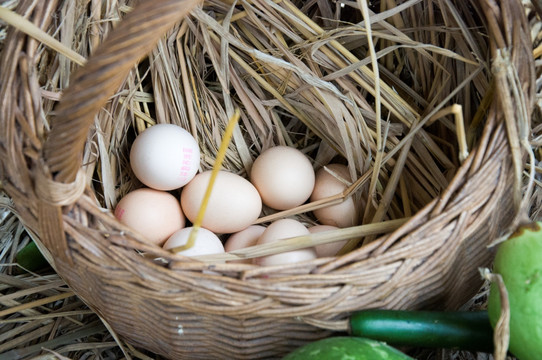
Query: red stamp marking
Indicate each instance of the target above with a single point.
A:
(119, 212)
(186, 162)
(185, 169)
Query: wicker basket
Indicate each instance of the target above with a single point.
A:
(197, 310)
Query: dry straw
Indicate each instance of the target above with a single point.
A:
(406, 93)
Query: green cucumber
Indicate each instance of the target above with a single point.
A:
(346, 348)
(448, 330)
(30, 258)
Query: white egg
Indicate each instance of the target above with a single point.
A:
(206, 242)
(165, 157)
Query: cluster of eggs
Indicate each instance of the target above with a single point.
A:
(166, 157)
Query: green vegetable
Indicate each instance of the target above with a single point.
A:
(31, 258)
(346, 348)
(519, 262)
(461, 330)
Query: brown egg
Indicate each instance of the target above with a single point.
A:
(330, 249)
(283, 229)
(152, 213)
(234, 203)
(341, 215)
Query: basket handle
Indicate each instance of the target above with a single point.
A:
(93, 84)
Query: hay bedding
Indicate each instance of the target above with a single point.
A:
(272, 87)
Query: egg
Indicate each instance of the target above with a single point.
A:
(152, 213)
(165, 157)
(330, 249)
(283, 229)
(234, 203)
(341, 215)
(243, 239)
(283, 176)
(206, 242)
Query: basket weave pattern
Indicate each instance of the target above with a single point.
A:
(192, 309)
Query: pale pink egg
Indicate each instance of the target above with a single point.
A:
(280, 230)
(234, 203)
(283, 176)
(330, 249)
(341, 215)
(243, 239)
(152, 213)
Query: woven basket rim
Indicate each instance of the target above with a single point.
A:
(318, 290)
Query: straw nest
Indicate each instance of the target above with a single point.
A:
(435, 135)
